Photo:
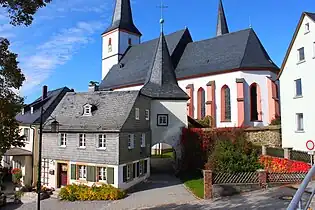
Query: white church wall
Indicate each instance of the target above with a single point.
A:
(290, 104)
(124, 41)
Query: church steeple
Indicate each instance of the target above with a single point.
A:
(122, 18)
(161, 82)
(222, 27)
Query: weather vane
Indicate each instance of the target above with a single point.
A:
(162, 7)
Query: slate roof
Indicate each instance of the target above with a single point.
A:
(161, 82)
(241, 49)
(222, 27)
(122, 18)
(112, 108)
(49, 104)
(311, 15)
(15, 151)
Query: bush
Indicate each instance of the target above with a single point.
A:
(83, 193)
(233, 154)
(282, 165)
(276, 121)
(206, 122)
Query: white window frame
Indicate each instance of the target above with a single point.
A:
(298, 54)
(63, 140)
(137, 114)
(162, 120)
(131, 139)
(26, 134)
(142, 140)
(129, 171)
(296, 87)
(82, 172)
(147, 114)
(102, 174)
(101, 141)
(82, 140)
(299, 119)
(87, 110)
(45, 172)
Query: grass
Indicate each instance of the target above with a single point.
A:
(194, 182)
(164, 155)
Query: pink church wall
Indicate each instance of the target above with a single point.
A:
(190, 103)
(273, 100)
(210, 104)
(240, 102)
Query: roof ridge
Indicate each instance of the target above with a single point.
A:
(246, 47)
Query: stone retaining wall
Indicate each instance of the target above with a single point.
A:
(269, 135)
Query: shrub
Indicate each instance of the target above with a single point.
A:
(281, 165)
(276, 121)
(206, 122)
(83, 193)
(17, 175)
(233, 153)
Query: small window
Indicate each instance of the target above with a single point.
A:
(110, 45)
(129, 42)
(140, 167)
(82, 172)
(147, 114)
(82, 140)
(128, 171)
(101, 174)
(87, 110)
(137, 114)
(301, 55)
(102, 141)
(131, 141)
(26, 134)
(63, 139)
(162, 120)
(299, 122)
(143, 140)
(298, 87)
(307, 27)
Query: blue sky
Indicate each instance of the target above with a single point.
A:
(63, 45)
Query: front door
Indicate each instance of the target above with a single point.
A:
(63, 174)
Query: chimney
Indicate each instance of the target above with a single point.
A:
(44, 92)
(93, 87)
(32, 110)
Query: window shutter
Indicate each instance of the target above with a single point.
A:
(91, 174)
(134, 170)
(73, 171)
(110, 175)
(138, 168)
(125, 173)
(145, 166)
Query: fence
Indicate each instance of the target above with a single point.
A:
(222, 184)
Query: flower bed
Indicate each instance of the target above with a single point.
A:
(274, 164)
(83, 193)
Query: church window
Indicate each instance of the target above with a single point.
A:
(201, 103)
(255, 102)
(87, 110)
(109, 44)
(129, 41)
(162, 120)
(301, 55)
(225, 103)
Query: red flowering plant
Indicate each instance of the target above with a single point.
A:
(282, 165)
(17, 175)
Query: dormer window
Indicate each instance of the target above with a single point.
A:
(87, 110)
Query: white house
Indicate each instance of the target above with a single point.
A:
(297, 86)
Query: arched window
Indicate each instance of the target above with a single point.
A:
(225, 103)
(109, 44)
(255, 102)
(201, 103)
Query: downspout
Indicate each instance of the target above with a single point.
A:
(34, 130)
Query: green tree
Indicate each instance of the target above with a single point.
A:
(20, 12)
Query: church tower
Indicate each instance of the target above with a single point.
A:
(121, 34)
(222, 27)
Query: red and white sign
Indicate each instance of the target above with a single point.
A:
(310, 145)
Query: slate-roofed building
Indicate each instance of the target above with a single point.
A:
(229, 77)
(26, 157)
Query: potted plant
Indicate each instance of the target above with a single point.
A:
(16, 176)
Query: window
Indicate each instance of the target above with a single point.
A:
(298, 87)
(140, 167)
(102, 174)
(307, 27)
(255, 102)
(17, 164)
(131, 141)
(201, 103)
(109, 44)
(45, 171)
(162, 120)
(128, 171)
(102, 141)
(82, 140)
(137, 114)
(63, 139)
(26, 134)
(87, 110)
(301, 55)
(147, 114)
(82, 172)
(129, 41)
(225, 103)
(143, 140)
(299, 122)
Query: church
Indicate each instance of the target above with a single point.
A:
(229, 77)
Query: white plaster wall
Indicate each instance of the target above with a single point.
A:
(177, 119)
(123, 41)
(291, 105)
(28, 145)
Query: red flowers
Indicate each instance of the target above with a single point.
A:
(274, 164)
(16, 171)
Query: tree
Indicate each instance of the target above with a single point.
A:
(20, 12)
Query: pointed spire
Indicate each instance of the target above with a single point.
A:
(222, 27)
(122, 18)
(161, 82)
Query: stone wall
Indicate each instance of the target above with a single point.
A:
(269, 135)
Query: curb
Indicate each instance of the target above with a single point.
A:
(192, 192)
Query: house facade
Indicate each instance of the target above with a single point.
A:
(229, 77)
(26, 158)
(297, 116)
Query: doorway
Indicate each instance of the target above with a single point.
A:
(62, 174)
